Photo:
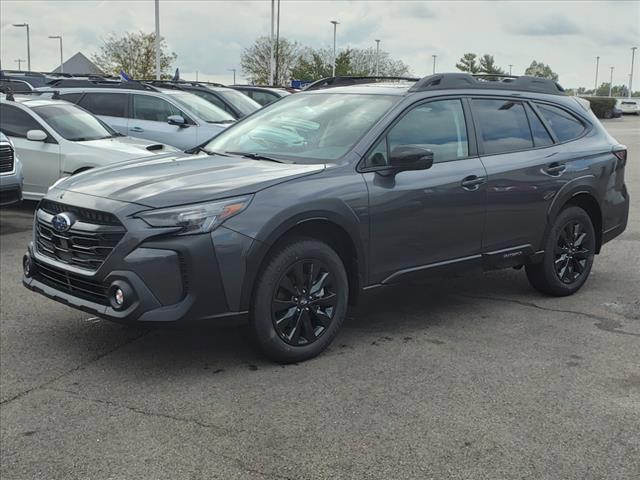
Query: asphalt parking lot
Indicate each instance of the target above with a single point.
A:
(476, 377)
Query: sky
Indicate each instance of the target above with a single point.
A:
(208, 36)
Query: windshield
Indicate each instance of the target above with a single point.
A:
(239, 100)
(312, 128)
(74, 123)
(202, 108)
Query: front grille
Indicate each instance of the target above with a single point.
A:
(84, 214)
(86, 245)
(71, 283)
(6, 159)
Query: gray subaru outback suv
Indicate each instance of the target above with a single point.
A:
(286, 217)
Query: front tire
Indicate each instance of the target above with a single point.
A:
(300, 301)
(568, 255)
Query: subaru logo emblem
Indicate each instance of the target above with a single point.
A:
(62, 222)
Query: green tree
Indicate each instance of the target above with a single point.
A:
(255, 60)
(135, 54)
(539, 69)
(468, 63)
(488, 65)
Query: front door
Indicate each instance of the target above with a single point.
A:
(420, 220)
(149, 120)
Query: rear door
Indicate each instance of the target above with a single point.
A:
(40, 160)
(109, 106)
(149, 120)
(526, 168)
(421, 220)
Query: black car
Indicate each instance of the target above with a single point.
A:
(262, 95)
(291, 214)
(228, 99)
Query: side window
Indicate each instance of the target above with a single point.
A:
(212, 98)
(564, 125)
(378, 156)
(146, 107)
(262, 98)
(437, 126)
(16, 123)
(541, 137)
(71, 97)
(16, 86)
(503, 126)
(109, 104)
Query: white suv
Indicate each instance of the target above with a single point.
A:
(55, 139)
(176, 117)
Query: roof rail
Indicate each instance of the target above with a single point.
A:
(21, 73)
(450, 81)
(99, 83)
(180, 83)
(10, 94)
(341, 81)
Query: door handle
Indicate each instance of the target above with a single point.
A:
(472, 182)
(555, 168)
(137, 129)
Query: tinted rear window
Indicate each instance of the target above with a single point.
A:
(564, 125)
(110, 104)
(503, 126)
(71, 97)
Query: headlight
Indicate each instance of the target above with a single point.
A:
(196, 218)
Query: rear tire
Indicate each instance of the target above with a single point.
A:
(568, 255)
(300, 301)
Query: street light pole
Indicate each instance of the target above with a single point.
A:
(595, 91)
(377, 58)
(271, 64)
(633, 54)
(19, 62)
(59, 37)
(234, 74)
(434, 63)
(157, 8)
(335, 25)
(277, 75)
(28, 43)
(510, 67)
(611, 81)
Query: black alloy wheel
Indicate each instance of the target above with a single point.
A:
(304, 302)
(572, 252)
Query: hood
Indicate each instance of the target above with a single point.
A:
(125, 148)
(181, 179)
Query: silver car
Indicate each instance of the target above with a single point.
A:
(10, 173)
(55, 139)
(175, 117)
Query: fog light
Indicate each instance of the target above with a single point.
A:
(118, 297)
(27, 266)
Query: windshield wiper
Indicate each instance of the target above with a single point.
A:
(221, 121)
(200, 148)
(256, 156)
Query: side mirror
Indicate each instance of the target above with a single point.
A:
(410, 157)
(36, 135)
(177, 120)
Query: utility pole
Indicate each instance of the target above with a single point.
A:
(234, 74)
(196, 75)
(434, 63)
(510, 67)
(19, 62)
(157, 8)
(377, 58)
(335, 25)
(271, 64)
(59, 37)
(595, 91)
(26, 25)
(277, 44)
(611, 81)
(633, 54)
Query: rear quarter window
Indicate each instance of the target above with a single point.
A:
(564, 125)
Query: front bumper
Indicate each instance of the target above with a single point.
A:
(165, 278)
